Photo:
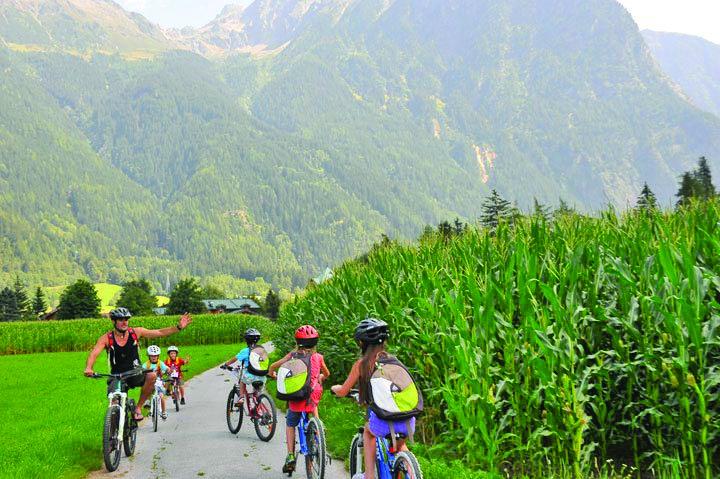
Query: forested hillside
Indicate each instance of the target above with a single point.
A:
(351, 119)
(692, 62)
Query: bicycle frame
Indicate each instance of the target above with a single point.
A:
(383, 458)
(237, 372)
(301, 427)
(118, 399)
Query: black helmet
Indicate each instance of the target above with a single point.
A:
(372, 331)
(120, 313)
(252, 336)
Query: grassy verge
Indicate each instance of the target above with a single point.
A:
(52, 416)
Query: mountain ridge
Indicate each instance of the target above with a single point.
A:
(354, 119)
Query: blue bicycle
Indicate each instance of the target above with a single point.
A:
(389, 464)
(311, 438)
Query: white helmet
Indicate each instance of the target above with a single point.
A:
(173, 348)
(153, 350)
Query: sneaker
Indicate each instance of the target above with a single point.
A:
(289, 464)
(147, 405)
(182, 401)
(163, 415)
(359, 475)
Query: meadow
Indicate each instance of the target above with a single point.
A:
(574, 348)
(52, 416)
(81, 334)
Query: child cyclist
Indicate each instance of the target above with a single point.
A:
(371, 335)
(160, 369)
(175, 364)
(252, 337)
(306, 338)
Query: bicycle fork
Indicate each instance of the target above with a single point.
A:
(120, 405)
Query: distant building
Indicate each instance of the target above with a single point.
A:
(160, 311)
(232, 306)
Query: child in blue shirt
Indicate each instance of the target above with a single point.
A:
(160, 369)
(252, 337)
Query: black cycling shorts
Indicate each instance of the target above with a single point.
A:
(134, 381)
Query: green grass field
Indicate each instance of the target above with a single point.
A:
(52, 416)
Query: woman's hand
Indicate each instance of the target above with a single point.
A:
(336, 389)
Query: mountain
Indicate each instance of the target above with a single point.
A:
(311, 127)
(78, 26)
(691, 62)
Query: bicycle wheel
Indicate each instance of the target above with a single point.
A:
(234, 411)
(111, 442)
(406, 466)
(265, 418)
(130, 432)
(155, 411)
(176, 399)
(315, 458)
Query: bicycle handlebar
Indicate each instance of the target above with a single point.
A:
(120, 376)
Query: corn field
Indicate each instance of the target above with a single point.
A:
(81, 334)
(570, 348)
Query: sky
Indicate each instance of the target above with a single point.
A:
(695, 17)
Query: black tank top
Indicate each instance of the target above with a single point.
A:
(123, 358)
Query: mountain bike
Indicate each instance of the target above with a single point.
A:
(155, 403)
(260, 407)
(174, 387)
(119, 420)
(389, 463)
(311, 439)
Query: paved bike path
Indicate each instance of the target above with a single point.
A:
(196, 442)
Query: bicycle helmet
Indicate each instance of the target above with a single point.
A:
(153, 350)
(120, 313)
(173, 348)
(306, 336)
(372, 331)
(252, 336)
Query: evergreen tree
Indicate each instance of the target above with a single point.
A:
(540, 210)
(563, 209)
(445, 229)
(272, 304)
(647, 200)
(495, 208)
(39, 305)
(459, 227)
(428, 233)
(79, 300)
(8, 305)
(688, 189)
(186, 296)
(703, 180)
(137, 297)
(21, 300)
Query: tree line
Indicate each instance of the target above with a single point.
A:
(81, 300)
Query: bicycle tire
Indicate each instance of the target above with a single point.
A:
(155, 407)
(406, 466)
(268, 414)
(234, 408)
(353, 457)
(130, 432)
(111, 443)
(315, 458)
(176, 400)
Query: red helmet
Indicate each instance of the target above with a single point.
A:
(306, 336)
(306, 332)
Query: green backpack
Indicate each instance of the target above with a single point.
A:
(293, 378)
(258, 361)
(392, 392)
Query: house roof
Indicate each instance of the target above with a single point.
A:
(238, 303)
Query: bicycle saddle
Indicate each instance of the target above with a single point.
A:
(257, 384)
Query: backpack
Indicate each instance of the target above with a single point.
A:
(111, 342)
(259, 361)
(293, 378)
(392, 392)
